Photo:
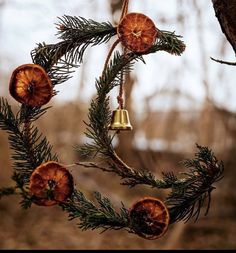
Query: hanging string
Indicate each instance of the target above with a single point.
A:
(125, 7)
(120, 98)
(124, 11)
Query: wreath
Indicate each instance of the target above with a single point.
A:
(39, 176)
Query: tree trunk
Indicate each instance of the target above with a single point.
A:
(226, 12)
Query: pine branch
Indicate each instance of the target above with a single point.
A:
(77, 34)
(131, 176)
(20, 185)
(26, 200)
(185, 203)
(49, 57)
(169, 42)
(83, 30)
(99, 113)
(186, 193)
(91, 216)
(99, 215)
(134, 177)
(30, 148)
(31, 114)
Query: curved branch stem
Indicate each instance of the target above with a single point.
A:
(224, 62)
(109, 55)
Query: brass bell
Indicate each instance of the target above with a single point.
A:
(120, 120)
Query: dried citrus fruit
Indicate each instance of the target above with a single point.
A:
(50, 183)
(31, 85)
(149, 218)
(137, 32)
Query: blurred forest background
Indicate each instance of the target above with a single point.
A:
(173, 103)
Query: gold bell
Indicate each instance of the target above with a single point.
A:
(120, 120)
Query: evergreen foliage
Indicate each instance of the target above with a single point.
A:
(30, 148)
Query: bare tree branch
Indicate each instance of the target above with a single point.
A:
(225, 12)
(224, 62)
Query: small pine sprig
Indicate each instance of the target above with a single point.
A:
(186, 202)
(170, 42)
(77, 34)
(84, 30)
(31, 114)
(49, 57)
(130, 176)
(21, 188)
(29, 147)
(95, 216)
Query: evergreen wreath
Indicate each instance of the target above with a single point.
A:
(40, 178)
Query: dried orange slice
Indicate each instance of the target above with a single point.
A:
(31, 85)
(50, 184)
(149, 218)
(137, 32)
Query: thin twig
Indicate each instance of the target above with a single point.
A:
(224, 62)
(119, 162)
(92, 165)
